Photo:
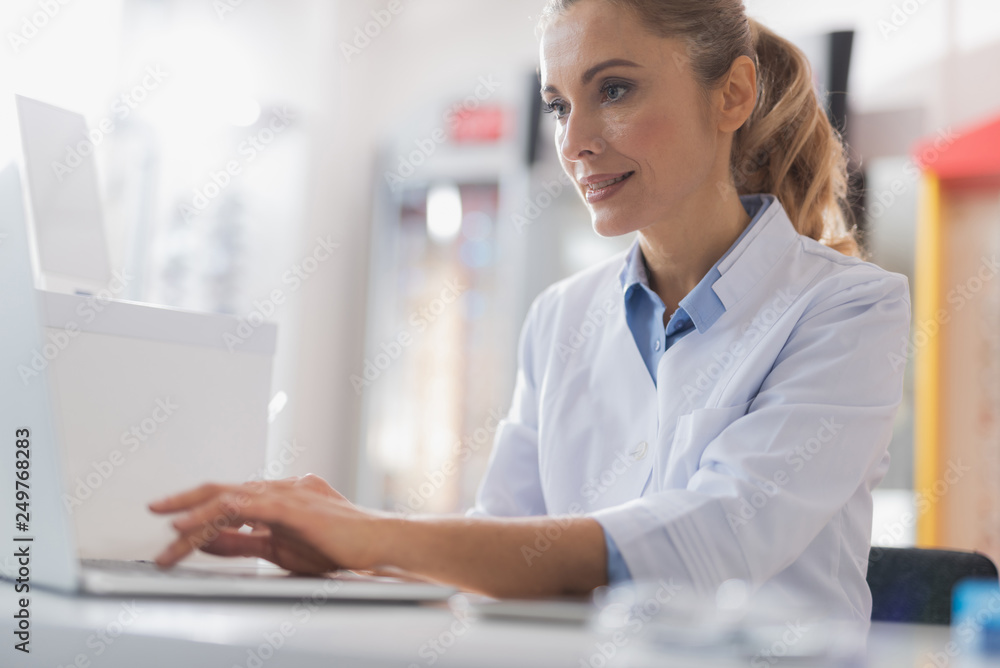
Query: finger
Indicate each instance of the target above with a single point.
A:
(298, 559)
(233, 509)
(232, 544)
(187, 499)
(195, 539)
(256, 527)
(220, 511)
(174, 552)
(398, 573)
(205, 523)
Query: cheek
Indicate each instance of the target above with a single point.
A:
(665, 143)
(649, 139)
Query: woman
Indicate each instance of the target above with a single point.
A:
(726, 411)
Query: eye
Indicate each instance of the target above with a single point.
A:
(555, 107)
(615, 91)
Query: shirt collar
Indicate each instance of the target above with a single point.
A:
(702, 305)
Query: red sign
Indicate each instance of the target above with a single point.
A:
(485, 124)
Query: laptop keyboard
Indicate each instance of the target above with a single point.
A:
(151, 568)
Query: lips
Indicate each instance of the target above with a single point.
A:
(605, 184)
(602, 187)
(595, 185)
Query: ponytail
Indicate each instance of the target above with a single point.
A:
(788, 147)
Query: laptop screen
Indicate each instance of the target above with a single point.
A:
(66, 209)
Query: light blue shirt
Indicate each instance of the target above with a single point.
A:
(644, 313)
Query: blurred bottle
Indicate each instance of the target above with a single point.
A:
(975, 623)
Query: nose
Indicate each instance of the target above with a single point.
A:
(580, 137)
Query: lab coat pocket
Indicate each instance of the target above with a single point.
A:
(692, 435)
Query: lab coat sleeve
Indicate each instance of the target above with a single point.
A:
(814, 433)
(512, 485)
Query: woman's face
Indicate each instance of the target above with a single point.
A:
(626, 107)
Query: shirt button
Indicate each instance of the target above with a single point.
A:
(640, 451)
(656, 346)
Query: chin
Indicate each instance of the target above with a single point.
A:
(612, 226)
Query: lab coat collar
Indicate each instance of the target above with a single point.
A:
(755, 255)
(762, 247)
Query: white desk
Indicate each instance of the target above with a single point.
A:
(187, 634)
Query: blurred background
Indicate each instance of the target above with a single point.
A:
(383, 165)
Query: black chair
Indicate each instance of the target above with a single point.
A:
(914, 584)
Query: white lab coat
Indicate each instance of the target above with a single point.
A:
(755, 454)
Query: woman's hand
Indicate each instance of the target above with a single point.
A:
(305, 526)
(301, 524)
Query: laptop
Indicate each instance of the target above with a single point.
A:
(61, 173)
(45, 552)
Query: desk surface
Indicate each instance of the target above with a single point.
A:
(147, 632)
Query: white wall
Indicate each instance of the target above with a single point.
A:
(427, 48)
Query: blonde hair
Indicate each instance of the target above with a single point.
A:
(788, 146)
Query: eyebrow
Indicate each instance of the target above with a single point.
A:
(593, 71)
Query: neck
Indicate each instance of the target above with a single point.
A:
(681, 249)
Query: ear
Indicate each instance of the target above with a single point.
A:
(738, 95)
